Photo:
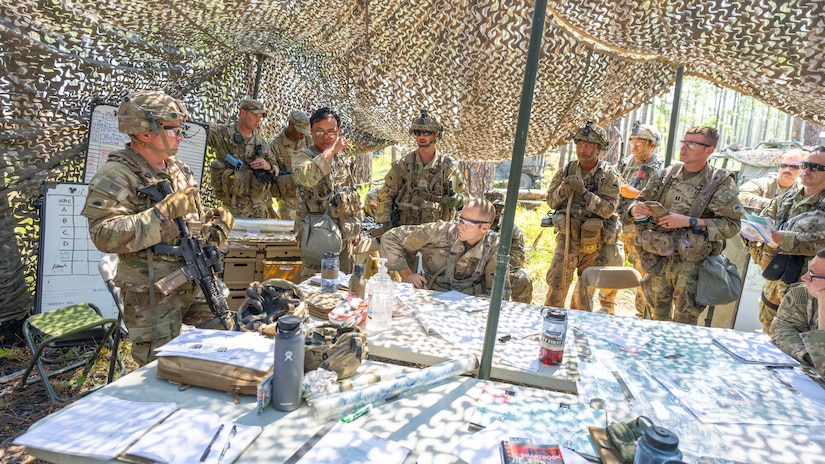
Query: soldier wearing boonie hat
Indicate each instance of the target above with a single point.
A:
(244, 170)
(521, 285)
(293, 138)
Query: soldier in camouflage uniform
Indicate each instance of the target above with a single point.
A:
(423, 186)
(521, 284)
(635, 171)
(698, 208)
(456, 255)
(756, 194)
(326, 183)
(125, 222)
(799, 326)
(293, 138)
(245, 190)
(799, 216)
(589, 189)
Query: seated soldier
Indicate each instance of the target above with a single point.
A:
(799, 326)
(456, 255)
(521, 284)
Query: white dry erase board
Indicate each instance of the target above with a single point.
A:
(104, 139)
(67, 266)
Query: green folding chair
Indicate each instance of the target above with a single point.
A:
(73, 325)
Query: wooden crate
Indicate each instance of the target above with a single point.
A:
(287, 270)
(235, 298)
(239, 272)
(241, 250)
(282, 251)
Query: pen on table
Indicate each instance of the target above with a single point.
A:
(212, 442)
(419, 263)
(357, 413)
(228, 442)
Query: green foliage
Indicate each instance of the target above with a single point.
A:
(540, 243)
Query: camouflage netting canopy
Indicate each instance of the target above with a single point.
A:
(377, 63)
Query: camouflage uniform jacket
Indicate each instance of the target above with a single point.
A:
(122, 221)
(637, 175)
(794, 329)
(330, 188)
(447, 261)
(239, 190)
(518, 257)
(415, 189)
(802, 219)
(722, 213)
(756, 194)
(282, 150)
(600, 199)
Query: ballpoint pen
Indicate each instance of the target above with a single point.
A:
(228, 442)
(211, 442)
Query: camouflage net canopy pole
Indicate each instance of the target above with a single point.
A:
(377, 63)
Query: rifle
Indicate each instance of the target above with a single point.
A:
(201, 261)
(265, 177)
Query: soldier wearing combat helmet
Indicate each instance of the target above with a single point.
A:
(423, 186)
(584, 194)
(521, 285)
(129, 223)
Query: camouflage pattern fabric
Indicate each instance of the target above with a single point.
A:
(804, 235)
(600, 201)
(325, 187)
(239, 190)
(794, 329)
(413, 186)
(756, 194)
(123, 222)
(282, 150)
(672, 290)
(439, 245)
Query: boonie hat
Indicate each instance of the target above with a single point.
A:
(253, 106)
(300, 121)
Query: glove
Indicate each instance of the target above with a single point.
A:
(221, 223)
(453, 201)
(265, 177)
(575, 184)
(179, 204)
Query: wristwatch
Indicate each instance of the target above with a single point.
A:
(693, 222)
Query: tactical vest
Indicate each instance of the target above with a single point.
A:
(477, 281)
(419, 200)
(334, 194)
(638, 178)
(238, 185)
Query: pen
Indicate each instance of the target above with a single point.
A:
(212, 442)
(228, 441)
(357, 413)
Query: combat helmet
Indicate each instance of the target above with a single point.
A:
(495, 197)
(592, 133)
(426, 122)
(646, 132)
(142, 111)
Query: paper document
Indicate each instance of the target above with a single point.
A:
(98, 427)
(757, 228)
(752, 348)
(349, 443)
(463, 301)
(243, 349)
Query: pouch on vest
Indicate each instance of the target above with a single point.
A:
(339, 349)
(693, 247)
(215, 179)
(793, 269)
(612, 230)
(591, 235)
(658, 243)
(776, 267)
(319, 234)
(651, 263)
(719, 281)
(766, 256)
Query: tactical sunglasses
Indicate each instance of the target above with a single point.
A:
(814, 167)
(793, 167)
(422, 132)
(470, 222)
(176, 131)
(691, 144)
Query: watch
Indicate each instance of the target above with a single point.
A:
(693, 222)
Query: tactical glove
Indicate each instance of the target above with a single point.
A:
(221, 222)
(453, 201)
(265, 177)
(178, 204)
(575, 184)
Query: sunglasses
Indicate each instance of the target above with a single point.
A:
(470, 222)
(813, 276)
(422, 132)
(176, 131)
(691, 144)
(793, 167)
(814, 167)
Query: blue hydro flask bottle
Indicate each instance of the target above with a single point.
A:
(289, 364)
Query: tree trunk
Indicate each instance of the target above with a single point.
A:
(478, 176)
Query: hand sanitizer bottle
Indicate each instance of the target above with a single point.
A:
(380, 290)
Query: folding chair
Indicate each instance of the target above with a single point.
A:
(73, 325)
(609, 277)
(108, 270)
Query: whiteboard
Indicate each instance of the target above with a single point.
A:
(67, 265)
(104, 139)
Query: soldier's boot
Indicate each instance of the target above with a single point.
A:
(606, 307)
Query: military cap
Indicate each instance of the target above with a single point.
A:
(300, 121)
(253, 106)
(495, 197)
(142, 111)
(592, 133)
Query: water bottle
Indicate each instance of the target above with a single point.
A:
(289, 364)
(553, 334)
(329, 272)
(656, 446)
(357, 284)
(380, 289)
